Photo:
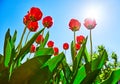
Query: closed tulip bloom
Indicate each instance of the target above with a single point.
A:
(35, 14)
(47, 21)
(74, 25)
(50, 44)
(56, 51)
(32, 49)
(65, 46)
(26, 19)
(32, 26)
(39, 39)
(89, 23)
(77, 46)
(80, 39)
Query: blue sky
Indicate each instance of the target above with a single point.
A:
(106, 32)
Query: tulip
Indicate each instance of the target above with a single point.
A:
(35, 14)
(80, 39)
(39, 39)
(90, 24)
(50, 44)
(32, 49)
(74, 25)
(47, 21)
(56, 51)
(77, 46)
(65, 46)
(32, 26)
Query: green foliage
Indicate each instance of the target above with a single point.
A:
(45, 68)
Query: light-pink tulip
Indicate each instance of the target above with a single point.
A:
(89, 23)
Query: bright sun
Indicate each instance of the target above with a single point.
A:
(93, 12)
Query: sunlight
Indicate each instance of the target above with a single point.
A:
(93, 12)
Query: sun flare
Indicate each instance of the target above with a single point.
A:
(93, 12)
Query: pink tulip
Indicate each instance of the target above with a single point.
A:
(89, 23)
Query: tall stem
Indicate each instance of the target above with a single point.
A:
(42, 35)
(91, 44)
(27, 37)
(20, 43)
(74, 45)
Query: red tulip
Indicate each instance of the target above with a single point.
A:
(50, 44)
(80, 39)
(47, 21)
(74, 25)
(65, 46)
(32, 49)
(26, 19)
(77, 46)
(39, 39)
(35, 14)
(32, 26)
(56, 51)
(89, 23)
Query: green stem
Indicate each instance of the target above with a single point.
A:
(20, 43)
(42, 35)
(91, 44)
(27, 37)
(74, 45)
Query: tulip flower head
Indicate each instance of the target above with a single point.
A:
(26, 19)
(56, 51)
(32, 49)
(50, 44)
(35, 14)
(74, 25)
(90, 23)
(65, 46)
(47, 21)
(80, 39)
(32, 26)
(77, 46)
(39, 39)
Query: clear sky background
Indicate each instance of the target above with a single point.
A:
(107, 31)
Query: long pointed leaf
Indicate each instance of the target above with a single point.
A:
(8, 51)
(26, 48)
(86, 75)
(45, 40)
(47, 70)
(44, 51)
(26, 71)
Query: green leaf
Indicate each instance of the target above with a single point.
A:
(54, 62)
(26, 48)
(86, 56)
(44, 51)
(81, 52)
(100, 61)
(14, 36)
(72, 51)
(7, 36)
(66, 70)
(87, 75)
(8, 51)
(24, 73)
(47, 70)
(45, 40)
(114, 77)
